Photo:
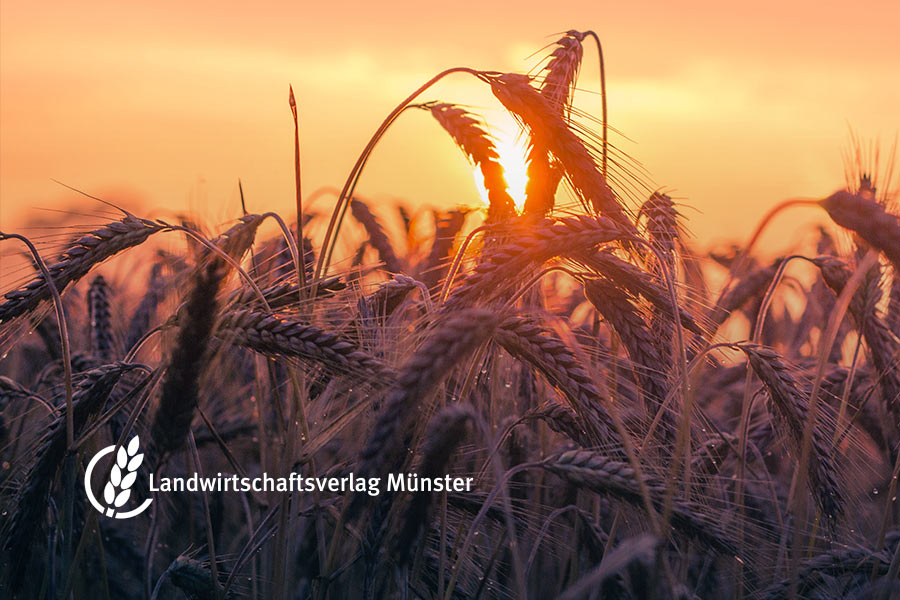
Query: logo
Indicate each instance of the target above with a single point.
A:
(117, 490)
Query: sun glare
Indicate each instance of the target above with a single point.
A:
(513, 153)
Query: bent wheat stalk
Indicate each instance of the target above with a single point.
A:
(520, 98)
(791, 412)
(88, 251)
(867, 218)
(274, 334)
(605, 476)
(477, 145)
(340, 207)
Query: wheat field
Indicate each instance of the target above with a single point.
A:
(637, 418)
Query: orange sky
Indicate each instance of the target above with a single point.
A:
(170, 103)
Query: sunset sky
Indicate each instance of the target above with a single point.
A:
(163, 107)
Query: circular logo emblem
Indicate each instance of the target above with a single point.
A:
(117, 490)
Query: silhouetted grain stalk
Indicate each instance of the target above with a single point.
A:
(791, 412)
(87, 252)
(377, 237)
(477, 145)
(528, 341)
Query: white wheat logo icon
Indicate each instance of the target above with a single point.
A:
(127, 461)
(121, 478)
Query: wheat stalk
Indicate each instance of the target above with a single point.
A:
(450, 340)
(280, 335)
(790, 409)
(557, 87)
(651, 366)
(636, 282)
(529, 242)
(528, 341)
(474, 141)
(884, 349)
(100, 319)
(520, 98)
(862, 214)
(88, 251)
(377, 238)
(603, 475)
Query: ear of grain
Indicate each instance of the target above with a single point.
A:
(238, 238)
(834, 563)
(543, 180)
(450, 341)
(377, 238)
(444, 433)
(602, 475)
(662, 229)
(866, 217)
(520, 98)
(752, 285)
(280, 295)
(381, 303)
(475, 142)
(193, 577)
(561, 73)
(528, 341)
(662, 226)
(651, 366)
(866, 414)
(187, 360)
(100, 319)
(791, 412)
(88, 251)
(529, 242)
(278, 335)
(637, 282)
(884, 349)
(563, 420)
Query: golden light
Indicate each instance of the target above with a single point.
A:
(513, 151)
